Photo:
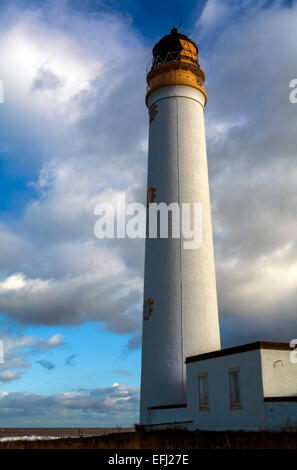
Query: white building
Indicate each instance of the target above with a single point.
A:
(250, 387)
(187, 380)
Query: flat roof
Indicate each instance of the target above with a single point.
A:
(162, 407)
(290, 398)
(239, 349)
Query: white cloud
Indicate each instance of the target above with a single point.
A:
(214, 11)
(18, 282)
(218, 15)
(106, 407)
(17, 342)
(19, 349)
(44, 66)
(8, 376)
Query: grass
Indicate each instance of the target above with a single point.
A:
(167, 439)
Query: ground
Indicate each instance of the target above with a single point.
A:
(167, 440)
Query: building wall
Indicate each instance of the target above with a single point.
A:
(263, 373)
(220, 417)
(168, 417)
(279, 373)
(281, 416)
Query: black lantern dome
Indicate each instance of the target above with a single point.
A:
(175, 47)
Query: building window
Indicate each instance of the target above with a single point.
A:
(203, 391)
(234, 389)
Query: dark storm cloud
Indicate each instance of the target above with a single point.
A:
(251, 136)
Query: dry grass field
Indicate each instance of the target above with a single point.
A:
(166, 440)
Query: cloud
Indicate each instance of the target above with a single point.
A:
(214, 12)
(86, 407)
(14, 249)
(53, 342)
(134, 342)
(97, 295)
(251, 141)
(19, 349)
(120, 372)
(16, 342)
(216, 16)
(46, 364)
(69, 361)
(8, 376)
(38, 55)
(74, 89)
(46, 80)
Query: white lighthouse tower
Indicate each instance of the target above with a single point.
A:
(180, 314)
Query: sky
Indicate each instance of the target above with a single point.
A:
(73, 132)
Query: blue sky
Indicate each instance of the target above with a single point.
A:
(74, 132)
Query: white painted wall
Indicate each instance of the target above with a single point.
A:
(279, 373)
(176, 417)
(180, 282)
(281, 416)
(220, 417)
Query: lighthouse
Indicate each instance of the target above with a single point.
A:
(180, 313)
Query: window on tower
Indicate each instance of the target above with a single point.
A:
(150, 195)
(203, 391)
(153, 111)
(147, 309)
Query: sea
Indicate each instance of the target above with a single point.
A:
(34, 434)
